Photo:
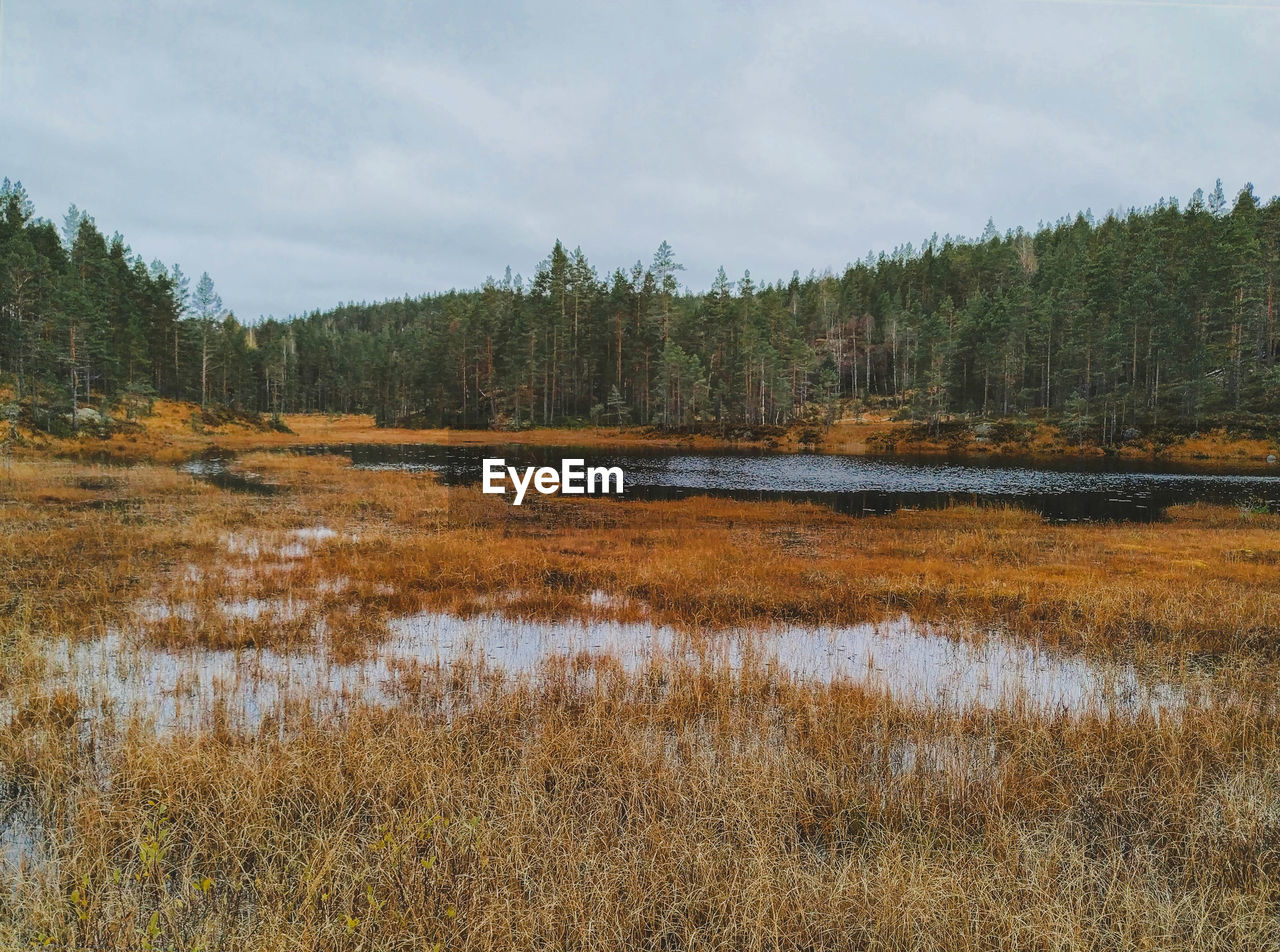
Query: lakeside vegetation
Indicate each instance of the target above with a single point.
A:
(1154, 320)
(681, 805)
(173, 431)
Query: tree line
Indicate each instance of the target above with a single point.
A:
(1161, 316)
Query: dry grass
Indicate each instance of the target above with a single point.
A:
(873, 432)
(675, 807)
(720, 813)
(168, 435)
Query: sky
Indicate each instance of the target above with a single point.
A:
(307, 153)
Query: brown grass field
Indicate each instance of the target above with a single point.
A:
(167, 435)
(678, 804)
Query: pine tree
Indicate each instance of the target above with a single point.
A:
(208, 309)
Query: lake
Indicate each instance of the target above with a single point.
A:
(1069, 491)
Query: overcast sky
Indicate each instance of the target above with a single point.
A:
(305, 153)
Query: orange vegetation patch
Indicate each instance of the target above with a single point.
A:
(675, 807)
(176, 431)
(78, 542)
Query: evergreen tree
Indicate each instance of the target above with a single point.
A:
(208, 310)
(1156, 317)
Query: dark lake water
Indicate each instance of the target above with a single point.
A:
(1080, 490)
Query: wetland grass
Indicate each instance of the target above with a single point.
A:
(673, 805)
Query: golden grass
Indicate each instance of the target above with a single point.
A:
(1203, 582)
(676, 807)
(169, 436)
(721, 813)
(871, 433)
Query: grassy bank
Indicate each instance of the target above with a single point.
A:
(173, 431)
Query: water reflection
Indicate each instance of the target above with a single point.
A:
(216, 470)
(24, 842)
(1080, 490)
(193, 688)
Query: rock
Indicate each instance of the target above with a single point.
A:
(1130, 434)
(86, 416)
(984, 431)
(1271, 457)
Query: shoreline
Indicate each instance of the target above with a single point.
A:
(169, 434)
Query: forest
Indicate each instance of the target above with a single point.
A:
(1156, 317)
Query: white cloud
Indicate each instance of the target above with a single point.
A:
(535, 120)
(305, 153)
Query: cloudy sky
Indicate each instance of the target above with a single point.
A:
(306, 153)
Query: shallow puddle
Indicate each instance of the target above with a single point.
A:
(23, 844)
(245, 608)
(214, 470)
(906, 660)
(293, 544)
(192, 688)
(122, 678)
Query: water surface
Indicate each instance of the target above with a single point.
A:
(123, 675)
(1076, 490)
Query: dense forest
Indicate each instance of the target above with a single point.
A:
(1163, 316)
